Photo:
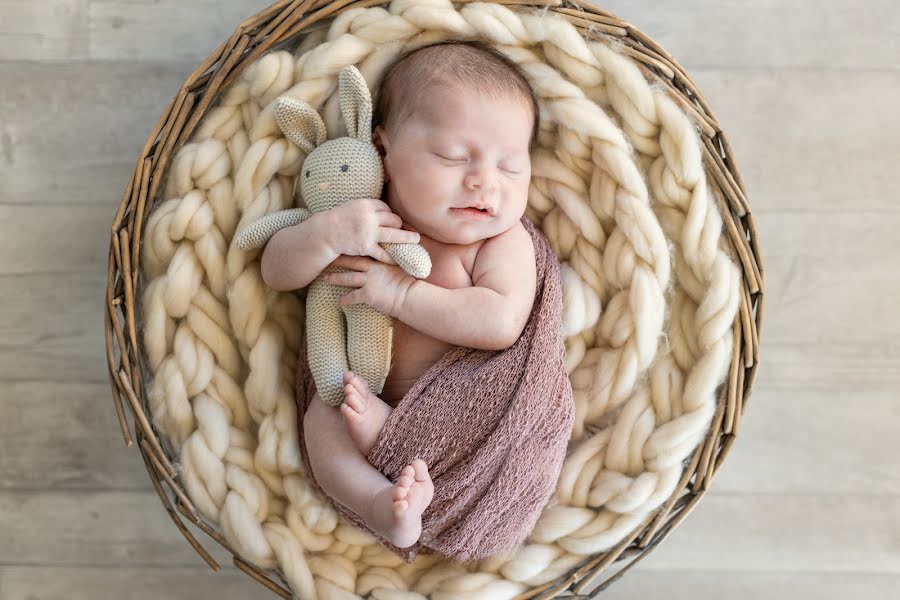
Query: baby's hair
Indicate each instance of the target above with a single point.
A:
(470, 64)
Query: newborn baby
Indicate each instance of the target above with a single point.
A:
(456, 123)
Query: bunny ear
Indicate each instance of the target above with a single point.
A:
(356, 103)
(300, 123)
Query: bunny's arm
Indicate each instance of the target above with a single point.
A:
(257, 233)
(412, 258)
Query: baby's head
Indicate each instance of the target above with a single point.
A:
(455, 123)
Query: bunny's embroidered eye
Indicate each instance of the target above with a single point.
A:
(344, 168)
(307, 173)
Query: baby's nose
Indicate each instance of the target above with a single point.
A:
(324, 185)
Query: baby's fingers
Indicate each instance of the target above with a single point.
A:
(398, 236)
(386, 218)
(379, 253)
(346, 278)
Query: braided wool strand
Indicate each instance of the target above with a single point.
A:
(222, 347)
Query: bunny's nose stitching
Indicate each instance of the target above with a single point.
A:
(324, 185)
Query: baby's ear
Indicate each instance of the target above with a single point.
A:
(379, 139)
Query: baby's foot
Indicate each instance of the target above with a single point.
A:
(364, 413)
(397, 511)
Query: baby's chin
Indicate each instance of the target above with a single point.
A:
(451, 231)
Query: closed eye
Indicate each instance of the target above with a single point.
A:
(450, 159)
(459, 160)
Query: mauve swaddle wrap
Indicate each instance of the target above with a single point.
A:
(492, 426)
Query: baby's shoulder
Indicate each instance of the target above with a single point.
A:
(514, 239)
(506, 259)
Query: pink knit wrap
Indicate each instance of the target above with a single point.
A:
(492, 426)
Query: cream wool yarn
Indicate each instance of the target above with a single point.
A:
(619, 190)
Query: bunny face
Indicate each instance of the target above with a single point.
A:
(340, 170)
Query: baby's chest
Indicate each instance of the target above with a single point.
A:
(451, 269)
(414, 351)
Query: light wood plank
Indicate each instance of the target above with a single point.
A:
(72, 132)
(776, 532)
(819, 140)
(45, 442)
(51, 327)
(815, 441)
(817, 119)
(814, 277)
(862, 366)
(168, 30)
(825, 124)
(749, 585)
(89, 583)
(145, 30)
(830, 308)
(65, 436)
(848, 533)
(102, 528)
(46, 30)
(68, 241)
(798, 34)
(812, 280)
(135, 583)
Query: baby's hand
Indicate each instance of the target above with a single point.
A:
(381, 286)
(357, 226)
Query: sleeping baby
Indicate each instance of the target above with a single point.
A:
(456, 124)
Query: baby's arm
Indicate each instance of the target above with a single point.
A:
(296, 255)
(492, 313)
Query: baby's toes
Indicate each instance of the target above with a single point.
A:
(361, 386)
(403, 484)
(349, 411)
(401, 499)
(401, 488)
(353, 399)
(420, 469)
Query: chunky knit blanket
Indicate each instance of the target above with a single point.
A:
(492, 426)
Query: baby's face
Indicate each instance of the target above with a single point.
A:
(459, 150)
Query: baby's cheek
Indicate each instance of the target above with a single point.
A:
(430, 177)
(432, 187)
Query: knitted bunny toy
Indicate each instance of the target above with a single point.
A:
(334, 172)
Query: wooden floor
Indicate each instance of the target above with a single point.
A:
(808, 502)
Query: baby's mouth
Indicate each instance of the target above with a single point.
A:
(481, 209)
(478, 213)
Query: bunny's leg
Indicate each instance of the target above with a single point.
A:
(369, 344)
(326, 344)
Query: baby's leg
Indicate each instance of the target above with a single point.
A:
(393, 510)
(364, 413)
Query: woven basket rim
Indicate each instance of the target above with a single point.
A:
(279, 25)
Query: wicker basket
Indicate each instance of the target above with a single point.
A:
(283, 25)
